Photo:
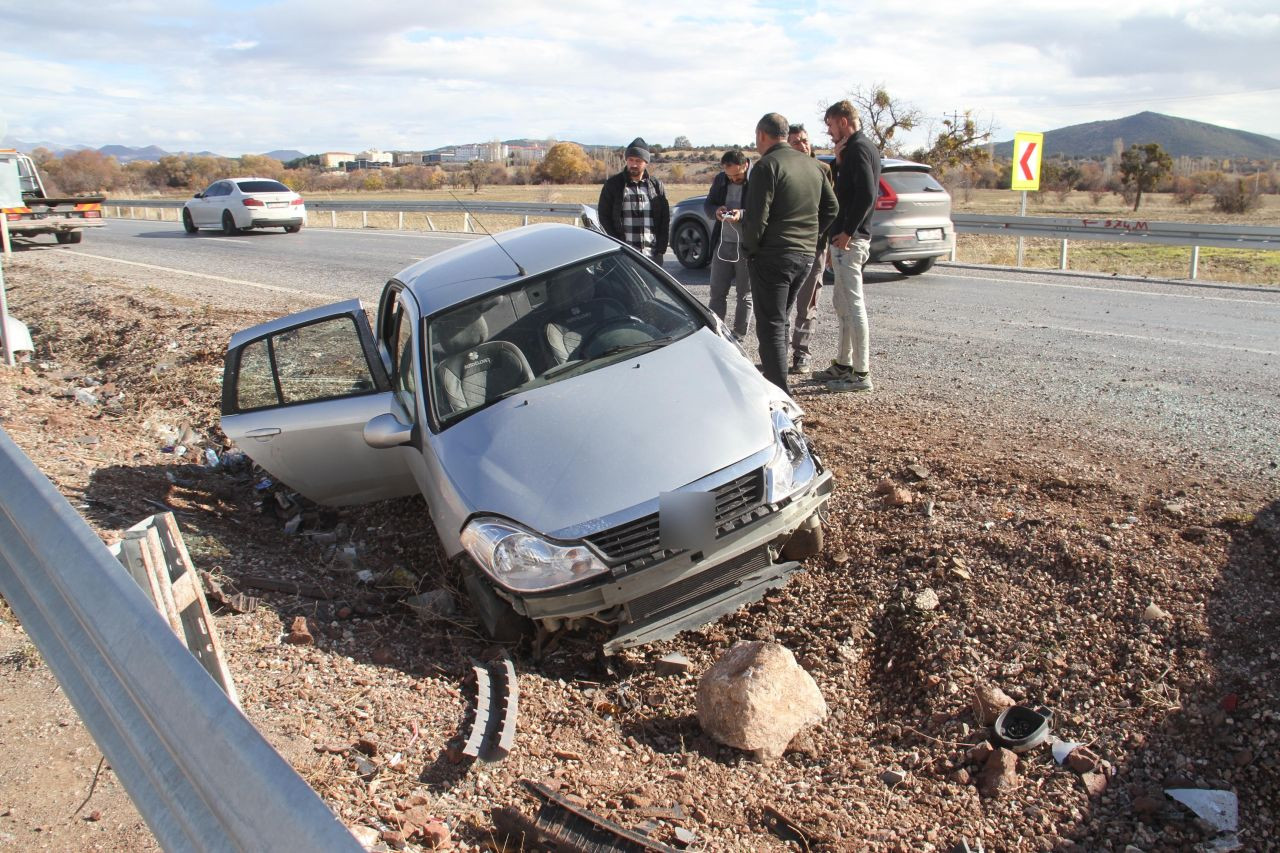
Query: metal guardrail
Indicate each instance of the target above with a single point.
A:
(1121, 230)
(200, 774)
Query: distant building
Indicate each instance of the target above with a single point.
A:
(441, 157)
(334, 159)
(485, 152)
(408, 158)
(373, 155)
(524, 154)
(362, 163)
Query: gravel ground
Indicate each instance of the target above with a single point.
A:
(1042, 547)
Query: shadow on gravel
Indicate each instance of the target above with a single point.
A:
(1210, 721)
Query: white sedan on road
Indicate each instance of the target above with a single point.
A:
(239, 204)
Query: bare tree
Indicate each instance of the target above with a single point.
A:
(883, 117)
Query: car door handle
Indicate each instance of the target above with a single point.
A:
(265, 432)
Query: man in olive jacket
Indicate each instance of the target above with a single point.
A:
(789, 204)
(633, 205)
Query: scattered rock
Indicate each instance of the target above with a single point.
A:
(299, 633)
(926, 600)
(367, 836)
(1094, 783)
(636, 801)
(1147, 806)
(998, 774)
(893, 777)
(1194, 533)
(1243, 758)
(899, 497)
(393, 838)
(1153, 613)
(988, 703)
(920, 472)
(756, 697)
(1082, 760)
(383, 655)
(368, 744)
(432, 606)
(686, 837)
(981, 752)
(673, 664)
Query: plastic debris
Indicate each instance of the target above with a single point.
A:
(86, 397)
(364, 576)
(1219, 809)
(1021, 728)
(1063, 748)
(263, 484)
(211, 457)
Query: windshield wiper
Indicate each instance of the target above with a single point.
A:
(640, 346)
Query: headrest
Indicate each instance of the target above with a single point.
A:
(572, 288)
(462, 329)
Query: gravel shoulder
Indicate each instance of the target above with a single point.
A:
(1044, 548)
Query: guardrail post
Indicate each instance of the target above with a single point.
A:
(364, 219)
(1062, 255)
(133, 213)
(333, 219)
(400, 222)
(466, 221)
(431, 224)
(526, 219)
(1195, 260)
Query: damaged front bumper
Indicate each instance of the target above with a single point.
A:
(689, 588)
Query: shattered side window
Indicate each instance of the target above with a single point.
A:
(321, 361)
(255, 386)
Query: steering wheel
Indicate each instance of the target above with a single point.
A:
(620, 331)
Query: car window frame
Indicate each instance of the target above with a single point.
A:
(231, 376)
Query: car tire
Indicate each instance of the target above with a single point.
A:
(915, 267)
(498, 618)
(66, 237)
(229, 224)
(187, 224)
(292, 229)
(692, 244)
(805, 542)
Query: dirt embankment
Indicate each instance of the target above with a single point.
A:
(963, 550)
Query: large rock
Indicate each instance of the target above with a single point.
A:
(756, 697)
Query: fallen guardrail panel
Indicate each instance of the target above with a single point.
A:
(200, 774)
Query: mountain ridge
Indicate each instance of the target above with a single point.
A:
(1179, 137)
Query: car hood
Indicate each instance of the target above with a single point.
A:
(568, 455)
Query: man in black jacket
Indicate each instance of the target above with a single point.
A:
(857, 187)
(789, 203)
(724, 204)
(633, 205)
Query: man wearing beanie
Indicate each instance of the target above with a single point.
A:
(633, 205)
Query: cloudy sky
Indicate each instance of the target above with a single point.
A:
(246, 76)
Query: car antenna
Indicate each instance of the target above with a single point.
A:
(463, 205)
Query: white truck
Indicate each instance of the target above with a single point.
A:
(64, 218)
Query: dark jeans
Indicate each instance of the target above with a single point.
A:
(775, 281)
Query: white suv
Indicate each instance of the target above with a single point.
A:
(239, 204)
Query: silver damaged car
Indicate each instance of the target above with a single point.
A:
(592, 444)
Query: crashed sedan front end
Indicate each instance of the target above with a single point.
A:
(593, 446)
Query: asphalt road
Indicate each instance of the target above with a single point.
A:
(1192, 368)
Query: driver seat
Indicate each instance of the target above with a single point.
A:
(567, 333)
(478, 371)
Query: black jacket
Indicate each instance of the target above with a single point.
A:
(610, 209)
(857, 187)
(789, 203)
(716, 197)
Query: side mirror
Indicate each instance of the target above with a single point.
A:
(198, 195)
(386, 431)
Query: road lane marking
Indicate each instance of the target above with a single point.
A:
(226, 242)
(328, 297)
(374, 232)
(1153, 338)
(1104, 289)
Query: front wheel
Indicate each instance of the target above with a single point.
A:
(229, 224)
(65, 237)
(915, 267)
(692, 245)
(292, 229)
(187, 224)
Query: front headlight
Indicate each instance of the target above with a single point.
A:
(521, 561)
(792, 467)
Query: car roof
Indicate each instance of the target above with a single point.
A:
(465, 272)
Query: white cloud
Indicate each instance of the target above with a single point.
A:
(318, 74)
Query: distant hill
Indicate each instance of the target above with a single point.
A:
(28, 147)
(1181, 137)
(284, 155)
(125, 154)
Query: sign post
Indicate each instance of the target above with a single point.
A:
(10, 196)
(1028, 151)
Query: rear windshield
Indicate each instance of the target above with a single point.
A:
(912, 182)
(262, 187)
